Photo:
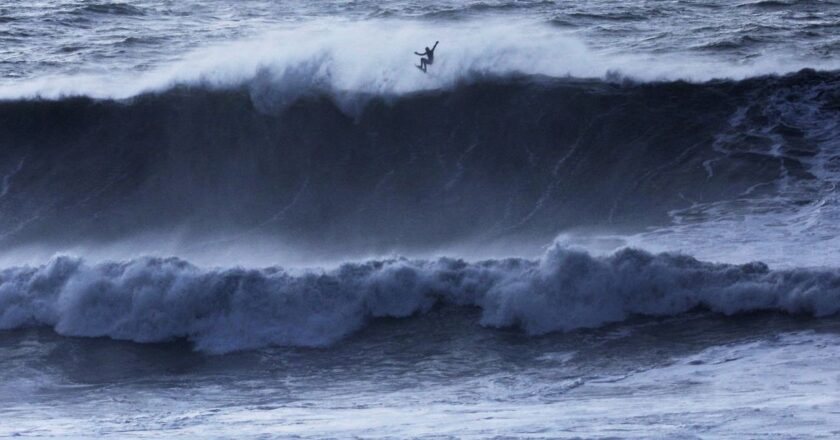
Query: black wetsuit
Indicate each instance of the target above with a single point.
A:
(429, 55)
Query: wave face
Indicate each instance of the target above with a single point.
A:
(495, 158)
(152, 300)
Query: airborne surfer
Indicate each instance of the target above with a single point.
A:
(428, 57)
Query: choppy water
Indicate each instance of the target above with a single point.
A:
(438, 376)
(588, 219)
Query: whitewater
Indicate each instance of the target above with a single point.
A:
(258, 219)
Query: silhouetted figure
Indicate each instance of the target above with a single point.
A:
(428, 57)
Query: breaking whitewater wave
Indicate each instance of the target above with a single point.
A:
(151, 300)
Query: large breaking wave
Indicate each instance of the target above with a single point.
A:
(151, 300)
(513, 157)
(491, 158)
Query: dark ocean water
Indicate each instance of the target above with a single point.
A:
(587, 219)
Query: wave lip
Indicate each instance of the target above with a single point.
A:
(223, 310)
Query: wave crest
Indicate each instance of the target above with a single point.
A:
(376, 57)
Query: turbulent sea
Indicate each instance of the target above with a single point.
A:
(258, 219)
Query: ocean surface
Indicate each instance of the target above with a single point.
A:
(258, 219)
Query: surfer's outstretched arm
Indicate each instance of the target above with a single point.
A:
(435, 46)
(418, 53)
